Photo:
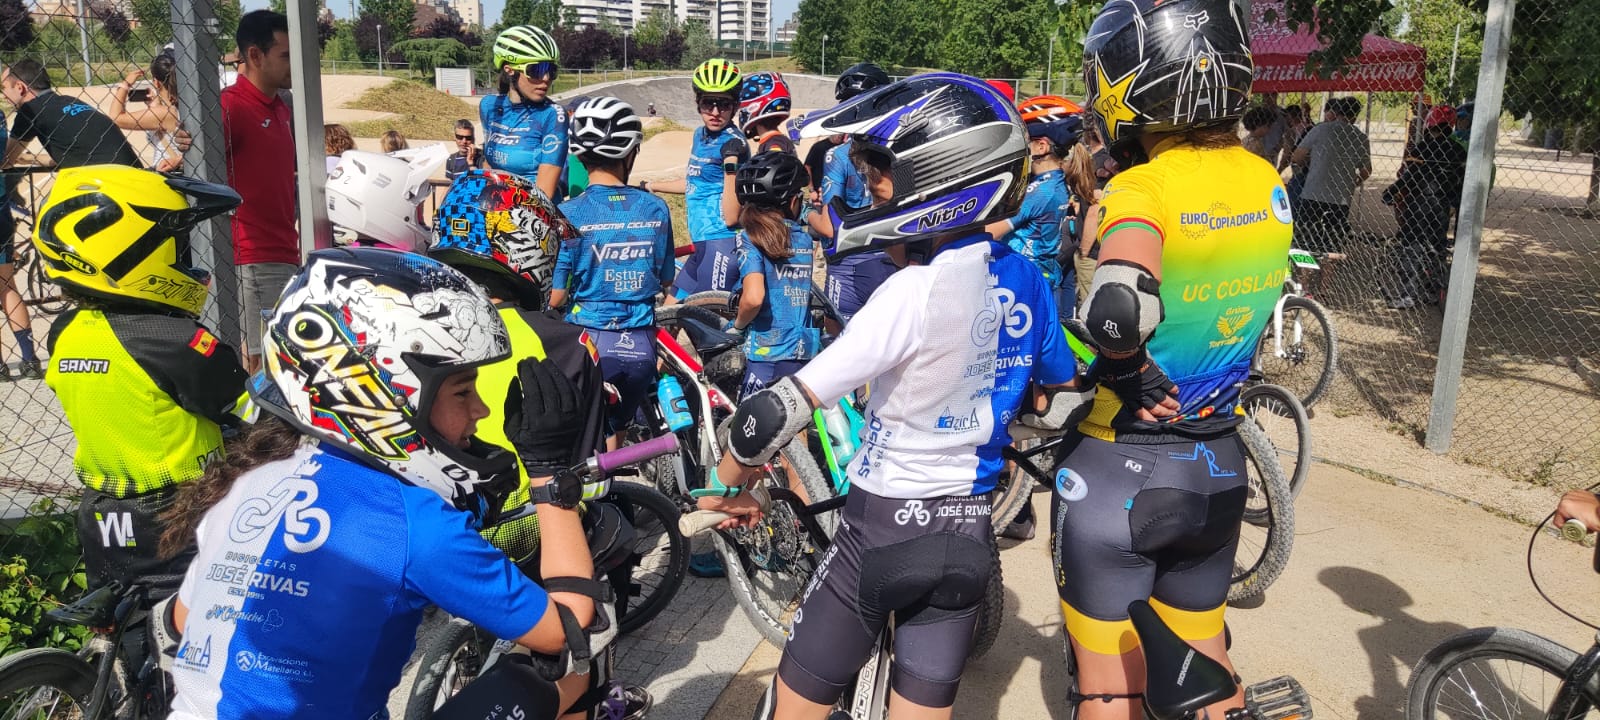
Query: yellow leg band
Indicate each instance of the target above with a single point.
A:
(1190, 624)
(1102, 637)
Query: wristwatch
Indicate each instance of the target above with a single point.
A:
(564, 491)
(730, 167)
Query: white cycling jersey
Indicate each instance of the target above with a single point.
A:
(949, 348)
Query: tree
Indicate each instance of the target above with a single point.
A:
(994, 38)
(1554, 75)
(395, 15)
(1432, 25)
(154, 16)
(367, 36)
(441, 28)
(343, 46)
(589, 47)
(279, 6)
(698, 45)
(16, 27)
(818, 18)
(425, 54)
(326, 29)
(114, 23)
(655, 27)
(516, 12)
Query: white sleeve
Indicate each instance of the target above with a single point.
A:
(886, 332)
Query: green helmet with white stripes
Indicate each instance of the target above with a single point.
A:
(522, 44)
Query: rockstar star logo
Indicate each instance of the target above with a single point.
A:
(1111, 101)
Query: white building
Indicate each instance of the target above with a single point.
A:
(471, 11)
(747, 20)
(787, 31)
(726, 19)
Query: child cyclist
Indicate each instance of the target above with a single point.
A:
(951, 347)
(354, 504)
(145, 386)
(501, 232)
(713, 265)
(1053, 130)
(526, 131)
(608, 275)
(775, 270)
(852, 279)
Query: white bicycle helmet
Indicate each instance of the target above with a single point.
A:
(356, 350)
(604, 126)
(374, 198)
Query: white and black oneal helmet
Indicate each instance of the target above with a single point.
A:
(604, 127)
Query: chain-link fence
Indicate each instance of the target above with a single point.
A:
(1376, 161)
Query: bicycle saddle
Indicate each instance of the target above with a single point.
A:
(705, 333)
(96, 609)
(1179, 680)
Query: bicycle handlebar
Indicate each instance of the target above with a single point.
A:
(607, 463)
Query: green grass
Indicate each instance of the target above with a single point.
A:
(680, 218)
(664, 126)
(423, 113)
(782, 64)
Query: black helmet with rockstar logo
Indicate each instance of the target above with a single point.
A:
(1159, 67)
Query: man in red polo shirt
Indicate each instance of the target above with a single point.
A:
(255, 121)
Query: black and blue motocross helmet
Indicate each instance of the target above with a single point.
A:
(954, 147)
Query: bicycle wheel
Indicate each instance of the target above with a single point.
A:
(452, 655)
(41, 293)
(1281, 416)
(1309, 353)
(770, 564)
(725, 370)
(45, 684)
(1011, 492)
(992, 614)
(659, 556)
(1491, 673)
(717, 301)
(1267, 533)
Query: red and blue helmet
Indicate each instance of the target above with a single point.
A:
(762, 95)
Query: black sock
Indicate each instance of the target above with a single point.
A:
(25, 344)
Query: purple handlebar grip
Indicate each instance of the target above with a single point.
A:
(608, 462)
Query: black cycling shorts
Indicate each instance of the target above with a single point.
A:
(1133, 522)
(926, 561)
(121, 539)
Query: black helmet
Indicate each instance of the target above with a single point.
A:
(857, 79)
(770, 179)
(1158, 67)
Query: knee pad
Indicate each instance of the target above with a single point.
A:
(1124, 306)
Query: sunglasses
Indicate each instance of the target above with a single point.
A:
(543, 70)
(464, 138)
(709, 104)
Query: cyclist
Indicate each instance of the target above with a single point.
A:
(764, 105)
(950, 348)
(376, 199)
(16, 310)
(333, 523)
(1193, 234)
(526, 131)
(713, 265)
(497, 229)
(1054, 128)
(852, 279)
(774, 269)
(621, 258)
(856, 79)
(145, 386)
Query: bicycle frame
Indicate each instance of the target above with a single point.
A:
(703, 394)
(1570, 700)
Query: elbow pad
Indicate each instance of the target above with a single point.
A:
(767, 421)
(1124, 306)
(583, 644)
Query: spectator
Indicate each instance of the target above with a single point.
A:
(1079, 227)
(467, 155)
(1257, 125)
(335, 141)
(1277, 126)
(1337, 158)
(1099, 157)
(159, 116)
(1295, 128)
(1428, 190)
(11, 299)
(260, 144)
(72, 132)
(1463, 131)
(393, 142)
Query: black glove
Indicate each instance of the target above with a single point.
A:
(543, 420)
(736, 147)
(1136, 380)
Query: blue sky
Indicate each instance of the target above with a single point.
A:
(781, 9)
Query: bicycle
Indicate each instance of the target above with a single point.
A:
(1299, 349)
(1279, 414)
(457, 652)
(36, 289)
(94, 682)
(1471, 674)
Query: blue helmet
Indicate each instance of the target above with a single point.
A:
(953, 146)
(499, 222)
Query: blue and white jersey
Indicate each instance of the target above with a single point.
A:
(949, 348)
(779, 331)
(310, 581)
(840, 178)
(621, 258)
(1036, 230)
(704, 178)
(522, 136)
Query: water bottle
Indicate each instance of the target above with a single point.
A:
(840, 435)
(674, 406)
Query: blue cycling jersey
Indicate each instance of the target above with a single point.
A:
(621, 258)
(523, 136)
(704, 178)
(779, 331)
(1036, 230)
(310, 581)
(840, 178)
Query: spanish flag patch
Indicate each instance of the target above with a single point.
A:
(588, 344)
(203, 342)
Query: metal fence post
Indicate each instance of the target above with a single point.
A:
(305, 61)
(194, 26)
(1469, 227)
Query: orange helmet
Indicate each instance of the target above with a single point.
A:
(1045, 108)
(1441, 115)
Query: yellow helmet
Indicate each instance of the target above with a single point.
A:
(121, 234)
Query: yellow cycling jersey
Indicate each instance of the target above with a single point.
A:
(144, 394)
(1224, 221)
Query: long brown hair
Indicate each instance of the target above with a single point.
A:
(1078, 169)
(269, 440)
(767, 230)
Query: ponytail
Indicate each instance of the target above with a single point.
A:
(765, 227)
(1078, 172)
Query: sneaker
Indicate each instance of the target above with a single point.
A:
(29, 370)
(707, 565)
(1019, 529)
(1402, 303)
(625, 702)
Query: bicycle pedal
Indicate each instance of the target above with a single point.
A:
(1281, 698)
